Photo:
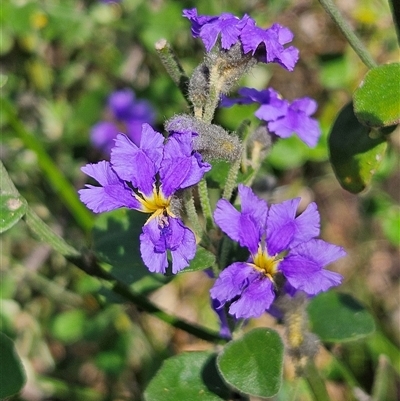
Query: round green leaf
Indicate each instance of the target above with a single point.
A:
(12, 374)
(252, 364)
(189, 376)
(12, 209)
(201, 261)
(336, 317)
(355, 153)
(377, 99)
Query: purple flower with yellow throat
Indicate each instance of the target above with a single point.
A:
(146, 177)
(279, 243)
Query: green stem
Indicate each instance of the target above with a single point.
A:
(314, 380)
(205, 203)
(231, 180)
(54, 176)
(191, 212)
(347, 31)
(173, 67)
(46, 234)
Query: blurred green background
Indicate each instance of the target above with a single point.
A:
(60, 59)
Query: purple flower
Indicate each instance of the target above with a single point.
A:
(283, 118)
(267, 45)
(145, 177)
(278, 242)
(128, 114)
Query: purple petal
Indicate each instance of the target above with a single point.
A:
(226, 26)
(252, 205)
(307, 105)
(181, 167)
(281, 226)
(134, 131)
(132, 164)
(162, 234)
(298, 121)
(285, 35)
(183, 248)
(113, 192)
(138, 165)
(228, 219)
(275, 109)
(231, 282)
(224, 330)
(154, 258)
(272, 41)
(255, 299)
(197, 21)
(307, 225)
(303, 266)
(102, 135)
(238, 226)
(288, 58)
(152, 142)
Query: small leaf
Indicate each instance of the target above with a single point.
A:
(189, 376)
(12, 209)
(336, 317)
(203, 260)
(377, 99)
(252, 364)
(12, 374)
(354, 153)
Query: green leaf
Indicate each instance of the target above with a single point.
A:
(189, 376)
(12, 374)
(336, 317)
(355, 153)
(201, 261)
(377, 99)
(116, 241)
(12, 209)
(252, 364)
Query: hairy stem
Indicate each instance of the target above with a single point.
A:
(191, 212)
(214, 94)
(347, 31)
(173, 67)
(205, 203)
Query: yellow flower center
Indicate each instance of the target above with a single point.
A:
(156, 204)
(266, 264)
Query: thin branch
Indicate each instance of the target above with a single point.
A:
(347, 31)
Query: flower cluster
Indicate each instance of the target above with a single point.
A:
(127, 115)
(282, 117)
(146, 177)
(279, 243)
(266, 45)
(147, 171)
